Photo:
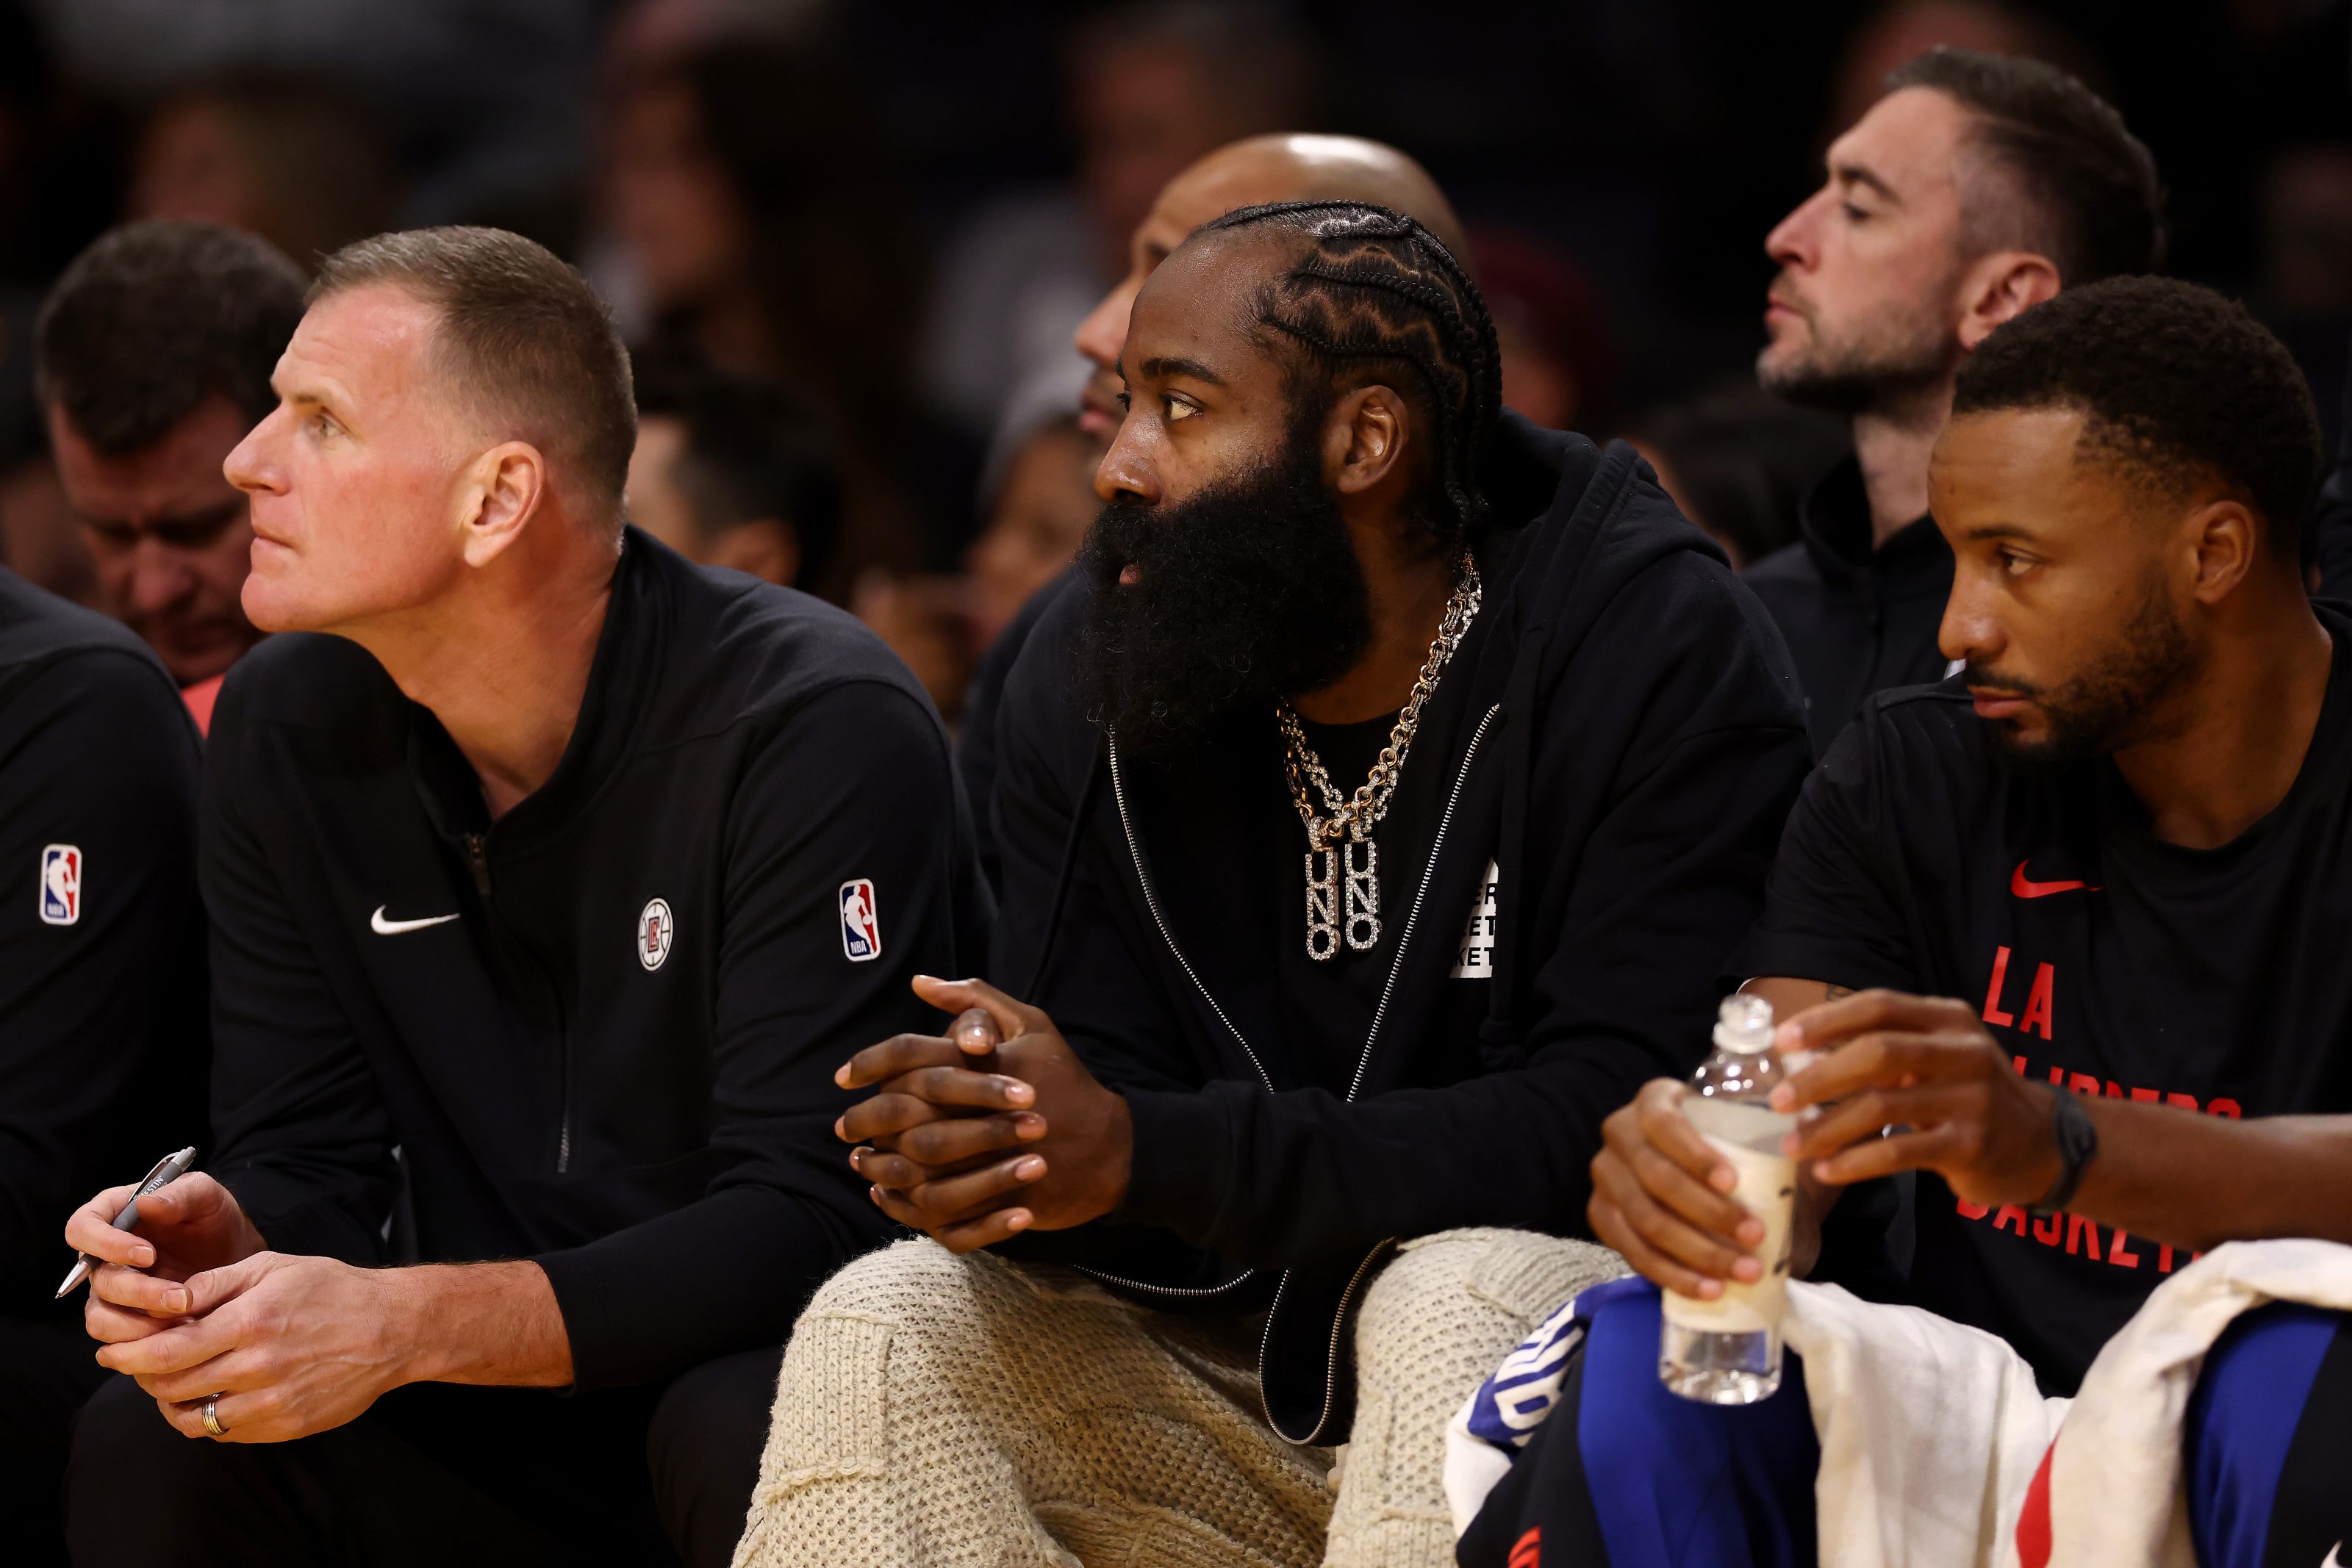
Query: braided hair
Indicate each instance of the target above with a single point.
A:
(1378, 293)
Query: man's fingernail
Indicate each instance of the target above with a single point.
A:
(876, 1194)
(1018, 1092)
(841, 1126)
(1028, 1127)
(1783, 1097)
(1748, 1270)
(1751, 1232)
(1788, 1037)
(1017, 1220)
(1723, 1179)
(1030, 1169)
(1709, 1288)
(175, 1300)
(841, 1075)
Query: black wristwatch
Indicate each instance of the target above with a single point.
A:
(2077, 1141)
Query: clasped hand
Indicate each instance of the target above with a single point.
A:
(1923, 1067)
(192, 1307)
(995, 1128)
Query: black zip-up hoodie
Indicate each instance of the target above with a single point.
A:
(603, 1029)
(1858, 620)
(1618, 734)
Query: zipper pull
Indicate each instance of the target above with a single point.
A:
(478, 856)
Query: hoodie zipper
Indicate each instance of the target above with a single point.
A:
(1151, 901)
(1379, 1015)
(478, 858)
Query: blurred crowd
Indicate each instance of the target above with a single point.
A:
(852, 243)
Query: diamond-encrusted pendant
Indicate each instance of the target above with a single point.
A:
(1327, 858)
(1363, 896)
(1322, 900)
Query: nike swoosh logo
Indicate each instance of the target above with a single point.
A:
(2331, 1562)
(2018, 885)
(382, 927)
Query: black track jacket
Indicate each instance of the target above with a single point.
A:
(602, 1031)
(1619, 733)
(101, 937)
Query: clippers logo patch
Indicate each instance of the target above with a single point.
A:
(861, 927)
(1474, 960)
(654, 929)
(61, 884)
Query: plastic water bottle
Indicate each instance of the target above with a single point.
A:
(1728, 1351)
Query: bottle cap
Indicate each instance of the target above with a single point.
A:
(1744, 1024)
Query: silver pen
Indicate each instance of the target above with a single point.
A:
(168, 1169)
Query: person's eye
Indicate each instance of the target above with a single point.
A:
(1179, 410)
(1854, 215)
(325, 425)
(2015, 565)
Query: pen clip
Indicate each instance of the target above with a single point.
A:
(162, 1166)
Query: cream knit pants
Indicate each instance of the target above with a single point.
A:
(945, 1412)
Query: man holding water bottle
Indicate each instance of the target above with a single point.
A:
(2057, 940)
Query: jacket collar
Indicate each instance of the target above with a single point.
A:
(620, 676)
(1833, 522)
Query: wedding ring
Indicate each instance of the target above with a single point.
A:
(212, 1417)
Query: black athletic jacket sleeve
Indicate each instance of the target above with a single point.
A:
(1657, 897)
(772, 1226)
(101, 1019)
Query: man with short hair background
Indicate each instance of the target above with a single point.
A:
(153, 353)
(532, 889)
(1380, 801)
(2094, 890)
(1977, 187)
(729, 471)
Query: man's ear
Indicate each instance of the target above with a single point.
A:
(1999, 286)
(502, 492)
(1365, 440)
(2228, 542)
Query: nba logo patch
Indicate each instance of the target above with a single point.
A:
(61, 884)
(861, 928)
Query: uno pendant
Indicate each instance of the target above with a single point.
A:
(1363, 896)
(1322, 903)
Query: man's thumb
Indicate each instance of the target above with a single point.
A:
(960, 996)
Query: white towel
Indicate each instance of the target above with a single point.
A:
(1932, 1432)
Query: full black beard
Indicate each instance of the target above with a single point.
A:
(2106, 706)
(1248, 591)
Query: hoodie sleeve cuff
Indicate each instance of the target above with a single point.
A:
(1182, 1163)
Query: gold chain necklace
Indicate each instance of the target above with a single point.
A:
(1354, 820)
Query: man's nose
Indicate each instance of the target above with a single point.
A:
(251, 465)
(1968, 631)
(1790, 243)
(1125, 472)
(158, 578)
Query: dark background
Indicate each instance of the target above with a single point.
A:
(1643, 146)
